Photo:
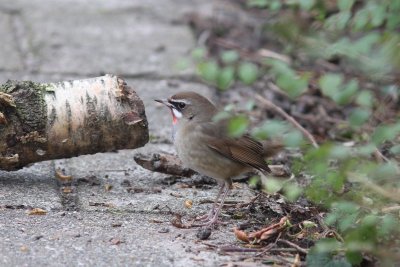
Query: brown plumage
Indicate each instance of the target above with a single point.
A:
(205, 146)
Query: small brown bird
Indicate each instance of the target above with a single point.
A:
(205, 146)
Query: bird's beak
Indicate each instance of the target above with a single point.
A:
(164, 101)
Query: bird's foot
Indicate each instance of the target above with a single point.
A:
(209, 221)
(206, 217)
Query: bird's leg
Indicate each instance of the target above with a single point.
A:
(214, 219)
(210, 214)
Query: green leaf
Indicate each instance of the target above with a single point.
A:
(365, 44)
(292, 191)
(253, 181)
(378, 15)
(345, 96)
(360, 19)
(385, 133)
(225, 78)
(237, 126)
(347, 221)
(293, 139)
(182, 64)
(388, 226)
(330, 84)
(306, 4)
(248, 72)
(293, 85)
(321, 255)
(338, 21)
(258, 3)
(208, 70)
(271, 129)
(229, 57)
(275, 5)
(395, 150)
(222, 115)
(365, 98)
(366, 150)
(345, 4)
(199, 53)
(340, 152)
(354, 257)
(359, 116)
(271, 185)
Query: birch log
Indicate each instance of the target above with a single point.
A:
(60, 120)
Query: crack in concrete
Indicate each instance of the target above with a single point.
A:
(67, 189)
(21, 38)
(151, 76)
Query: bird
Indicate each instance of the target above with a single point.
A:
(204, 145)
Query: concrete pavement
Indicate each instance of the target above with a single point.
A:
(103, 223)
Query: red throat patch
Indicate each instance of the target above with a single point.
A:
(174, 119)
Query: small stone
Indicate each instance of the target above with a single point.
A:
(37, 237)
(203, 233)
(163, 230)
(117, 224)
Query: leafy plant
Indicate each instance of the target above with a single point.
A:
(347, 53)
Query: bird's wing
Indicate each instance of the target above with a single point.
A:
(244, 149)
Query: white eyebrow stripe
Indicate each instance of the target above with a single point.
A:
(179, 101)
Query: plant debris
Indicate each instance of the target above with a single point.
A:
(37, 211)
(164, 163)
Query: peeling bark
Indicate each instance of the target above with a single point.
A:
(60, 120)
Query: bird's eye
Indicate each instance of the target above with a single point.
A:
(181, 105)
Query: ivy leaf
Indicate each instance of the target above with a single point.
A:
(365, 99)
(248, 72)
(208, 70)
(199, 53)
(306, 4)
(225, 78)
(237, 126)
(229, 57)
(359, 116)
(330, 84)
(345, 4)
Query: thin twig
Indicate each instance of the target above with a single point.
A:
(281, 112)
(266, 249)
(277, 89)
(293, 245)
(238, 249)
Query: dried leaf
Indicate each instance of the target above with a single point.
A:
(116, 241)
(7, 100)
(268, 234)
(188, 203)
(3, 119)
(177, 222)
(67, 190)
(37, 211)
(108, 187)
(241, 235)
(297, 261)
